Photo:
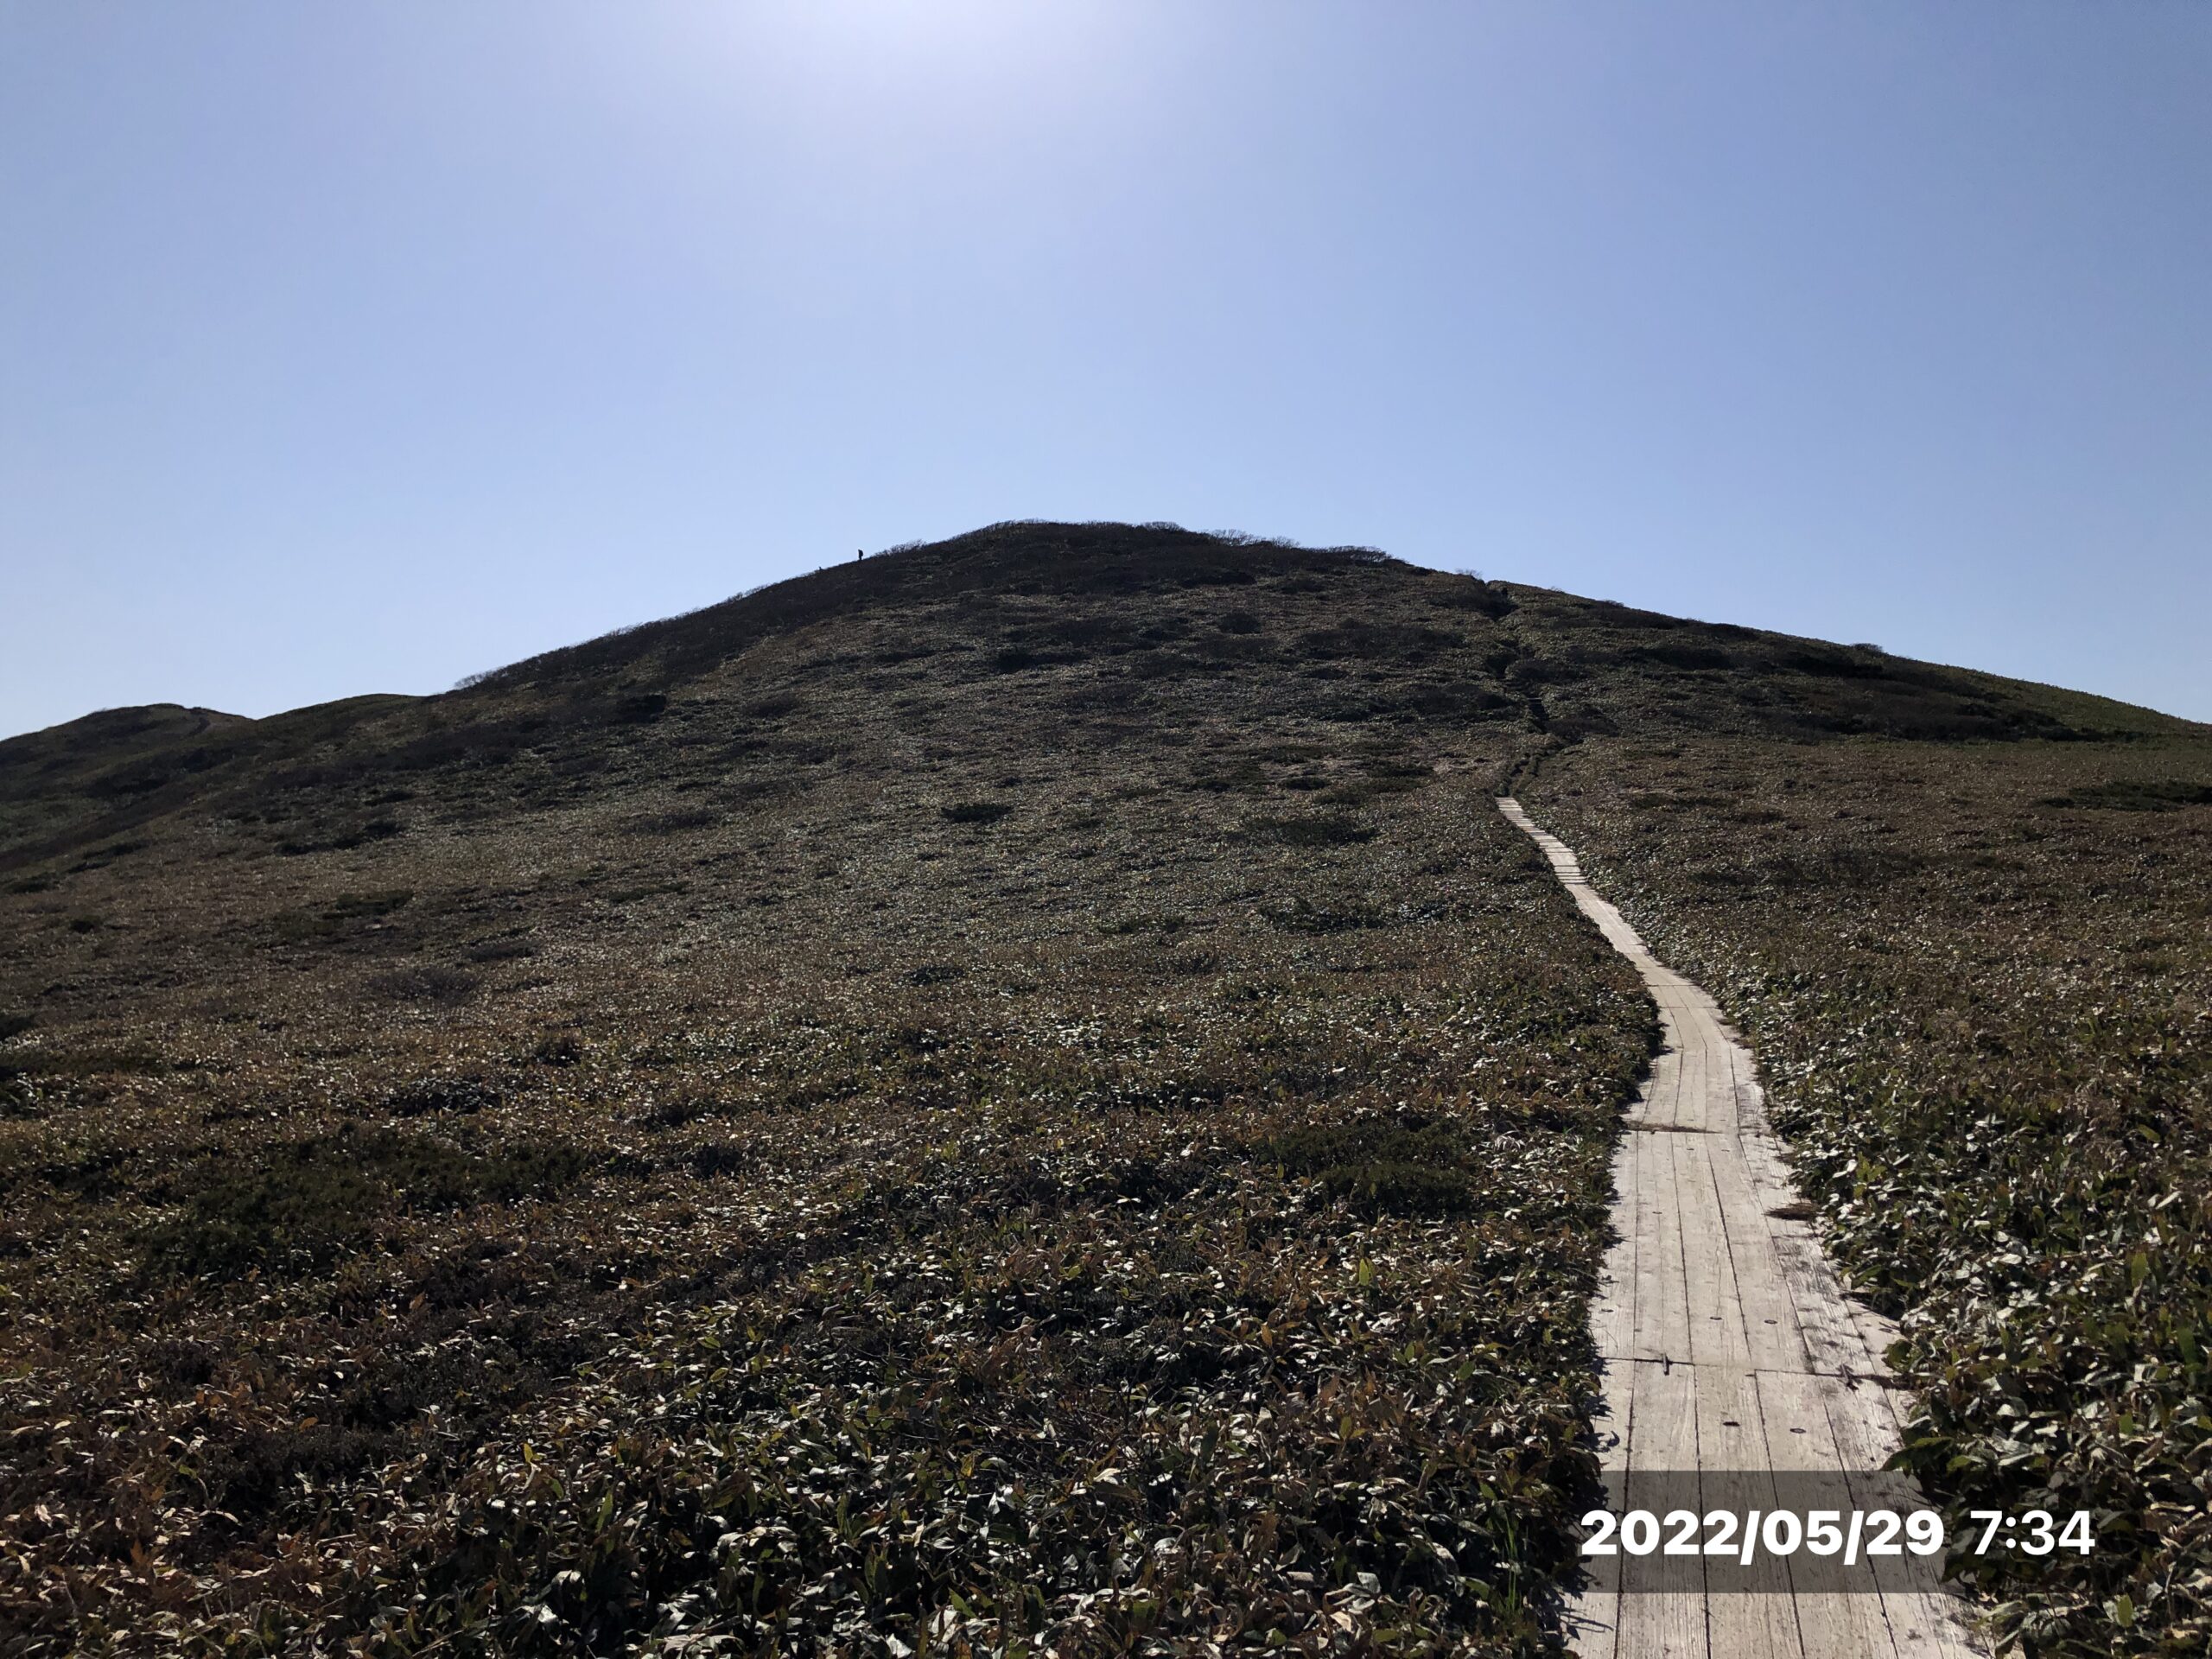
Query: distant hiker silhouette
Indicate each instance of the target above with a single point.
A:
(859, 554)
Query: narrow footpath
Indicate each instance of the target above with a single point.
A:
(1726, 1346)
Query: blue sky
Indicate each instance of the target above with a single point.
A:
(355, 348)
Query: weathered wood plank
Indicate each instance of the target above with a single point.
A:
(1662, 1438)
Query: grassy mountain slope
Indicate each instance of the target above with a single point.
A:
(1337, 635)
(1016, 1092)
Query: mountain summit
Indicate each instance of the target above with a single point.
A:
(1073, 631)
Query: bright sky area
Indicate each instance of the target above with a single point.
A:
(354, 347)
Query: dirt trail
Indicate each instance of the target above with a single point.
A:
(1726, 1344)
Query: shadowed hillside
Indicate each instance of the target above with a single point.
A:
(1016, 1092)
(1085, 627)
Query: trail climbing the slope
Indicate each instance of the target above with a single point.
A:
(1726, 1344)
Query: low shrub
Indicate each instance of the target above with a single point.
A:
(431, 982)
(342, 839)
(425, 1095)
(350, 905)
(128, 1059)
(639, 709)
(301, 1206)
(2138, 795)
(977, 811)
(1322, 829)
(716, 1160)
(339, 917)
(557, 1048)
(673, 822)
(1382, 1169)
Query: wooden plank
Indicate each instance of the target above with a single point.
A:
(1613, 1314)
(1716, 1334)
(1662, 1293)
(1833, 1338)
(1833, 1625)
(1591, 1620)
(1772, 1335)
(1735, 1463)
(1662, 1418)
(1863, 1423)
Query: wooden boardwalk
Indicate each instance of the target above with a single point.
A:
(1726, 1344)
